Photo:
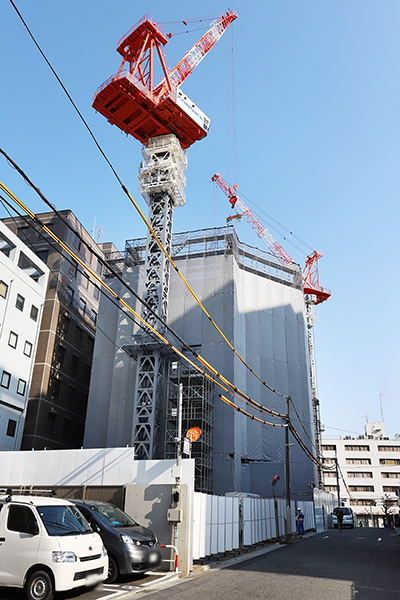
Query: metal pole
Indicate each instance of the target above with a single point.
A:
(337, 478)
(288, 520)
(179, 437)
(178, 457)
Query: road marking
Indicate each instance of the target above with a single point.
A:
(360, 537)
(326, 537)
(113, 595)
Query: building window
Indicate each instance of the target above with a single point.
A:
(99, 267)
(330, 474)
(94, 316)
(73, 268)
(28, 348)
(90, 344)
(389, 461)
(64, 326)
(3, 289)
(362, 474)
(70, 395)
(34, 313)
(330, 488)
(11, 428)
(66, 428)
(70, 295)
(60, 354)
(390, 488)
(358, 461)
(329, 447)
(361, 488)
(13, 339)
(21, 387)
(96, 292)
(56, 388)
(74, 364)
(357, 448)
(390, 475)
(78, 335)
(51, 421)
(5, 380)
(389, 448)
(329, 461)
(20, 302)
(85, 280)
(77, 242)
(82, 305)
(360, 502)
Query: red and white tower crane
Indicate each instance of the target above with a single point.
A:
(167, 122)
(311, 283)
(314, 293)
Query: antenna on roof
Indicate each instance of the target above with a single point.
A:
(380, 402)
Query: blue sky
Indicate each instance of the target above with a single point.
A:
(317, 129)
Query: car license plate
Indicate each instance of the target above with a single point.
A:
(91, 580)
(153, 557)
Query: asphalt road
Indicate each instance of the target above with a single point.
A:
(357, 564)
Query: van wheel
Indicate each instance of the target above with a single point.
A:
(39, 586)
(112, 570)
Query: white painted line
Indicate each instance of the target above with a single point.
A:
(326, 537)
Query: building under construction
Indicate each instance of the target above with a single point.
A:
(259, 305)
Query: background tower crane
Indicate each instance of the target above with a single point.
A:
(167, 122)
(314, 293)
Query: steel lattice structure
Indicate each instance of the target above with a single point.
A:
(162, 184)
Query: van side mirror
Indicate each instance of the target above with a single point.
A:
(32, 528)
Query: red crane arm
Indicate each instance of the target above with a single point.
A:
(310, 273)
(196, 54)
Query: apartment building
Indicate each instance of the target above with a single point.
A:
(59, 392)
(369, 472)
(23, 284)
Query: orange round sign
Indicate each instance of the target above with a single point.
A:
(193, 434)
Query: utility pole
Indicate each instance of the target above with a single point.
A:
(288, 520)
(337, 478)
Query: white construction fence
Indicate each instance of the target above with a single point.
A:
(222, 524)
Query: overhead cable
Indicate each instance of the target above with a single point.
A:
(124, 188)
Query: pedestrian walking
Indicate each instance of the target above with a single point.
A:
(300, 522)
(339, 516)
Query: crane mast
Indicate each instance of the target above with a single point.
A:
(166, 122)
(314, 293)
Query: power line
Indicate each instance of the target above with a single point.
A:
(124, 188)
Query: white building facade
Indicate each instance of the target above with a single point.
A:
(368, 472)
(23, 284)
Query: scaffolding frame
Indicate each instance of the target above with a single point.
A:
(197, 411)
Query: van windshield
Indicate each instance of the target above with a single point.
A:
(63, 520)
(111, 515)
(345, 510)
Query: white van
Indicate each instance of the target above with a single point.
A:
(46, 545)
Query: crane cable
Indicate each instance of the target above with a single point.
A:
(158, 242)
(125, 190)
(160, 336)
(230, 389)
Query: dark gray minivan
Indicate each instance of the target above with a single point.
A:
(131, 548)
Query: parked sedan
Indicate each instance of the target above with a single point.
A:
(131, 548)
